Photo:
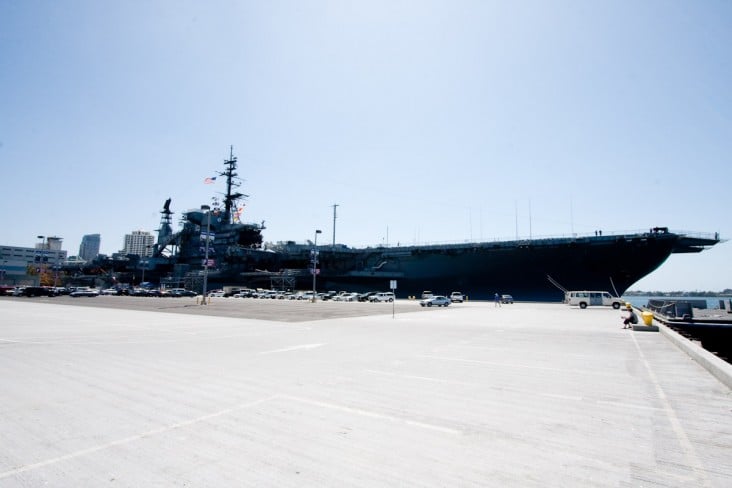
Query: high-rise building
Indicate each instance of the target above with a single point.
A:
(89, 248)
(140, 242)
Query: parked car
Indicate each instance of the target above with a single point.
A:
(18, 291)
(139, 292)
(308, 295)
(85, 291)
(384, 296)
(39, 291)
(427, 294)
(181, 292)
(457, 297)
(364, 297)
(109, 291)
(506, 299)
(586, 298)
(348, 297)
(437, 300)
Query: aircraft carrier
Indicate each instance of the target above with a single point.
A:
(214, 242)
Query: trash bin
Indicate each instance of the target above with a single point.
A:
(647, 318)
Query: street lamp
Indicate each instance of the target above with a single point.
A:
(40, 258)
(146, 261)
(314, 255)
(56, 268)
(205, 259)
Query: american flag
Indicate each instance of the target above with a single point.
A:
(209, 181)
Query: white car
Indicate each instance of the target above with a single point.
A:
(385, 296)
(457, 297)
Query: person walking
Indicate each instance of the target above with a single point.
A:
(497, 298)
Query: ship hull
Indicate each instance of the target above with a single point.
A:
(536, 270)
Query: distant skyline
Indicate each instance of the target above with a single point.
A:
(425, 121)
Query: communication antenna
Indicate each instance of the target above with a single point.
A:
(571, 216)
(529, 219)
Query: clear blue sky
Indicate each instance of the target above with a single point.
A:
(425, 121)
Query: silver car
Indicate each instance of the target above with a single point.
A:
(437, 300)
(85, 291)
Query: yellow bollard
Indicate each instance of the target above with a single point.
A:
(647, 318)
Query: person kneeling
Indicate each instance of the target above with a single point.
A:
(631, 319)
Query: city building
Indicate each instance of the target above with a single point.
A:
(24, 265)
(89, 248)
(140, 242)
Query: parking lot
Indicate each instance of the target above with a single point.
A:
(261, 309)
(119, 391)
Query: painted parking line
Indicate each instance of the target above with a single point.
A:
(133, 438)
(293, 348)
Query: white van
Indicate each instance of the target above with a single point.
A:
(591, 298)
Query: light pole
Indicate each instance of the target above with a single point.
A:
(40, 259)
(205, 259)
(144, 263)
(55, 268)
(314, 254)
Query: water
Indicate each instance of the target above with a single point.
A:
(642, 300)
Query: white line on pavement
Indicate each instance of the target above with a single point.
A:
(293, 348)
(132, 438)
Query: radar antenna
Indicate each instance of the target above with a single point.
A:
(232, 182)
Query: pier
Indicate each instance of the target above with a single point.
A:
(132, 392)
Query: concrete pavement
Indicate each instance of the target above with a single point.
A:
(471, 395)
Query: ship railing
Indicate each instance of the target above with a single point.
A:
(540, 239)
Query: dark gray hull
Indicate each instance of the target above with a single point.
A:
(535, 270)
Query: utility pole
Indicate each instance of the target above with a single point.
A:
(204, 300)
(314, 255)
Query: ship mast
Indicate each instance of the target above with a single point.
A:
(232, 182)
